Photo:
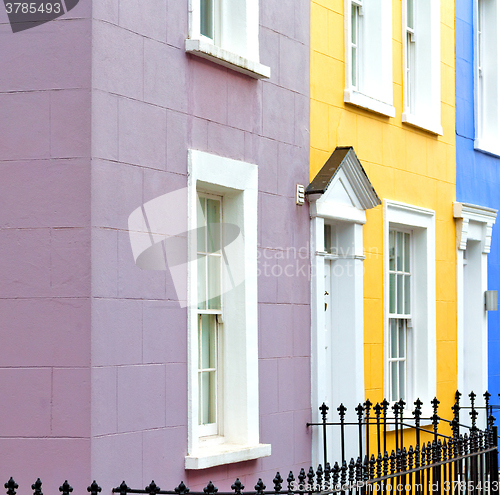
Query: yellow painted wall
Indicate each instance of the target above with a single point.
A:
(404, 164)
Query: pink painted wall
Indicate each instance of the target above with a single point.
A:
(95, 366)
(45, 278)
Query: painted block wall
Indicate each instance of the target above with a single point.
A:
(478, 174)
(45, 283)
(403, 163)
(99, 118)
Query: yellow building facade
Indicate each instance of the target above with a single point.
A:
(410, 162)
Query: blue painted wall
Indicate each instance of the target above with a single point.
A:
(478, 174)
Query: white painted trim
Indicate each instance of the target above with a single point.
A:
(465, 213)
(486, 126)
(474, 225)
(237, 183)
(374, 91)
(216, 54)
(422, 123)
(488, 147)
(427, 84)
(422, 222)
(368, 103)
(238, 48)
(225, 454)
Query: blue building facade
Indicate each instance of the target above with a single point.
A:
(478, 193)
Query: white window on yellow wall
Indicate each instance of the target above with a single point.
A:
(422, 65)
(409, 303)
(209, 273)
(368, 55)
(227, 32)
(400, 288)
(487, 77)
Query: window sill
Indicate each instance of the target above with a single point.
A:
(226, 58)
(487, 147)
(434, 128)
(368, 103)
(216, 454)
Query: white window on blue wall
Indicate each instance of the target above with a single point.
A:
(227, 33)
(368, 55)
(422, 65)
(487, 92)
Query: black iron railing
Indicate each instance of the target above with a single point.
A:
(459, 464)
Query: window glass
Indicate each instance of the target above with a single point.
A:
(207, 18)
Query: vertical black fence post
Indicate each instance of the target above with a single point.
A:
(417, 413)
(385, 406)
(378, 410)
(368, 405)
(456, 414)
(395, 408)
(435, 418)
(359, 410)
(473, 413)
(342, 409)
(494, 461)
(324, 410)
(487, 396)
(402, 405)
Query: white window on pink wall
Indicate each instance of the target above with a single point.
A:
(223, 392)
(227, 33)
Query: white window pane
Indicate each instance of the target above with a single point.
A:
(214, 286)
(393, 338)
(354, 24)
(328, 238)
(402, 384)
(202, 281)
(400, 294)
(207, 400)
(399, 251)
(200, 223)
(407, 295)
(206, 18)
(407, 253)
(409, 14)
(213, 225)
(402, 339)
(208, 342)
(392, 293)
(394, 381)
(392, 250)
(354, 66)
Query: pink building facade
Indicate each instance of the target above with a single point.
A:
(102, 111)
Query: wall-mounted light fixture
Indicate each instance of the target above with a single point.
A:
(300, 196)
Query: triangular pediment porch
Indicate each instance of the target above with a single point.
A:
(341, 189)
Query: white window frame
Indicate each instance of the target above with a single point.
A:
(214, 428)
(422, 85)
(474, 223)
(237, 183)
(236, 40)
(487, 78)
(407, 317)
(373, 89)
(421, 350)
